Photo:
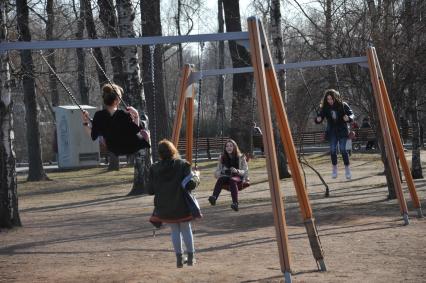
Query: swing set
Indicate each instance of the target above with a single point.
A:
(267, 86)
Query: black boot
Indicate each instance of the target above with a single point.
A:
(212, 200)
(234, 206)
(179, 261)
(191, 259)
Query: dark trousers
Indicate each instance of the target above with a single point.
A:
(334, 140)
(233, 187)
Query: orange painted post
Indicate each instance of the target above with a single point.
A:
(268, 141)
(186, 72)
(386, 133)
(189, 105)
(287, 140)
(397, 139)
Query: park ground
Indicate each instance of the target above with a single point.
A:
(81, 227)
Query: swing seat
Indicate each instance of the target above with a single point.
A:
(241, 185)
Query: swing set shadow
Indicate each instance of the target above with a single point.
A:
(267, 87)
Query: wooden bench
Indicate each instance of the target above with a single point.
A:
(207, 145)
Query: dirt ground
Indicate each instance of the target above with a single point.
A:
(81, 227)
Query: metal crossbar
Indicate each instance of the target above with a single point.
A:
(195, 76)
(108, 42)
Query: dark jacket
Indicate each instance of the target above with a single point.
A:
(119, 131)
(165, 177)
(338, 126)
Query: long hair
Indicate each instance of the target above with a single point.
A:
(335, 95)
(110, 92)
(167, 150)
(231, 160)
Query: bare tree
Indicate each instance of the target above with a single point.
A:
(135, 94)
(220, 110)
(9, 213)
(152, 66)
(108, 17)
(278, 54)
(92, 33)
(81, 58)
(50, 23)
(242, 84)
(36, 171)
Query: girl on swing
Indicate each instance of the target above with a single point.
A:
(231, 170)
(338, 115)
(122, 131)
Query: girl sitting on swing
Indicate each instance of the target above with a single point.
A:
(232, 171)
(122, 131)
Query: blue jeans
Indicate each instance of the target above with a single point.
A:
(333, 149)
(179, 231)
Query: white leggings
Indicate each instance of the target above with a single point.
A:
(179, 231)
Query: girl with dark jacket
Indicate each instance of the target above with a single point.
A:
(338, 115)
(231, 170)
(165, 178)
(122, 130)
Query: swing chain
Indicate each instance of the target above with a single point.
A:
(199, 104)
(154, 126)
(109, 81)
(62, 83)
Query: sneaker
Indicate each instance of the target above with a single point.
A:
(234, 206)
(179, 261)
(191, 259)
(348, 173)
(212, 200)
(334, 172)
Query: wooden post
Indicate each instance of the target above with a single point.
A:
(189, 105)
(386, 133)
(268, 141)
(186, 72)
(287, 140)
(397, 139)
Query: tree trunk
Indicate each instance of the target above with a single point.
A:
(108, 17)
(91, 31)
(135, 95)
(379, 41)
(153, 86)
(179, 32)
(53, 85)
(81, 60)
(9, 213)
(387, 170)
(416, 164)
(409, 23)
(328, 34)
(36, 171)
(220, 110)
(278, 54)
(241, 84)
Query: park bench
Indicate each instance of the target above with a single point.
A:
(363, 135)
(207, 145)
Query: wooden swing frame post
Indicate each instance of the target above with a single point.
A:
(384, 116)
(396, 136)
(185, 104)
(189, 110)
(186, 72)
(266, 82)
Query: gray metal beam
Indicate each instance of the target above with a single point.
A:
(107, 42)
(195, 76)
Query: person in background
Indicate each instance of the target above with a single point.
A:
(338, 114)
(366, 125)
(231, 170)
